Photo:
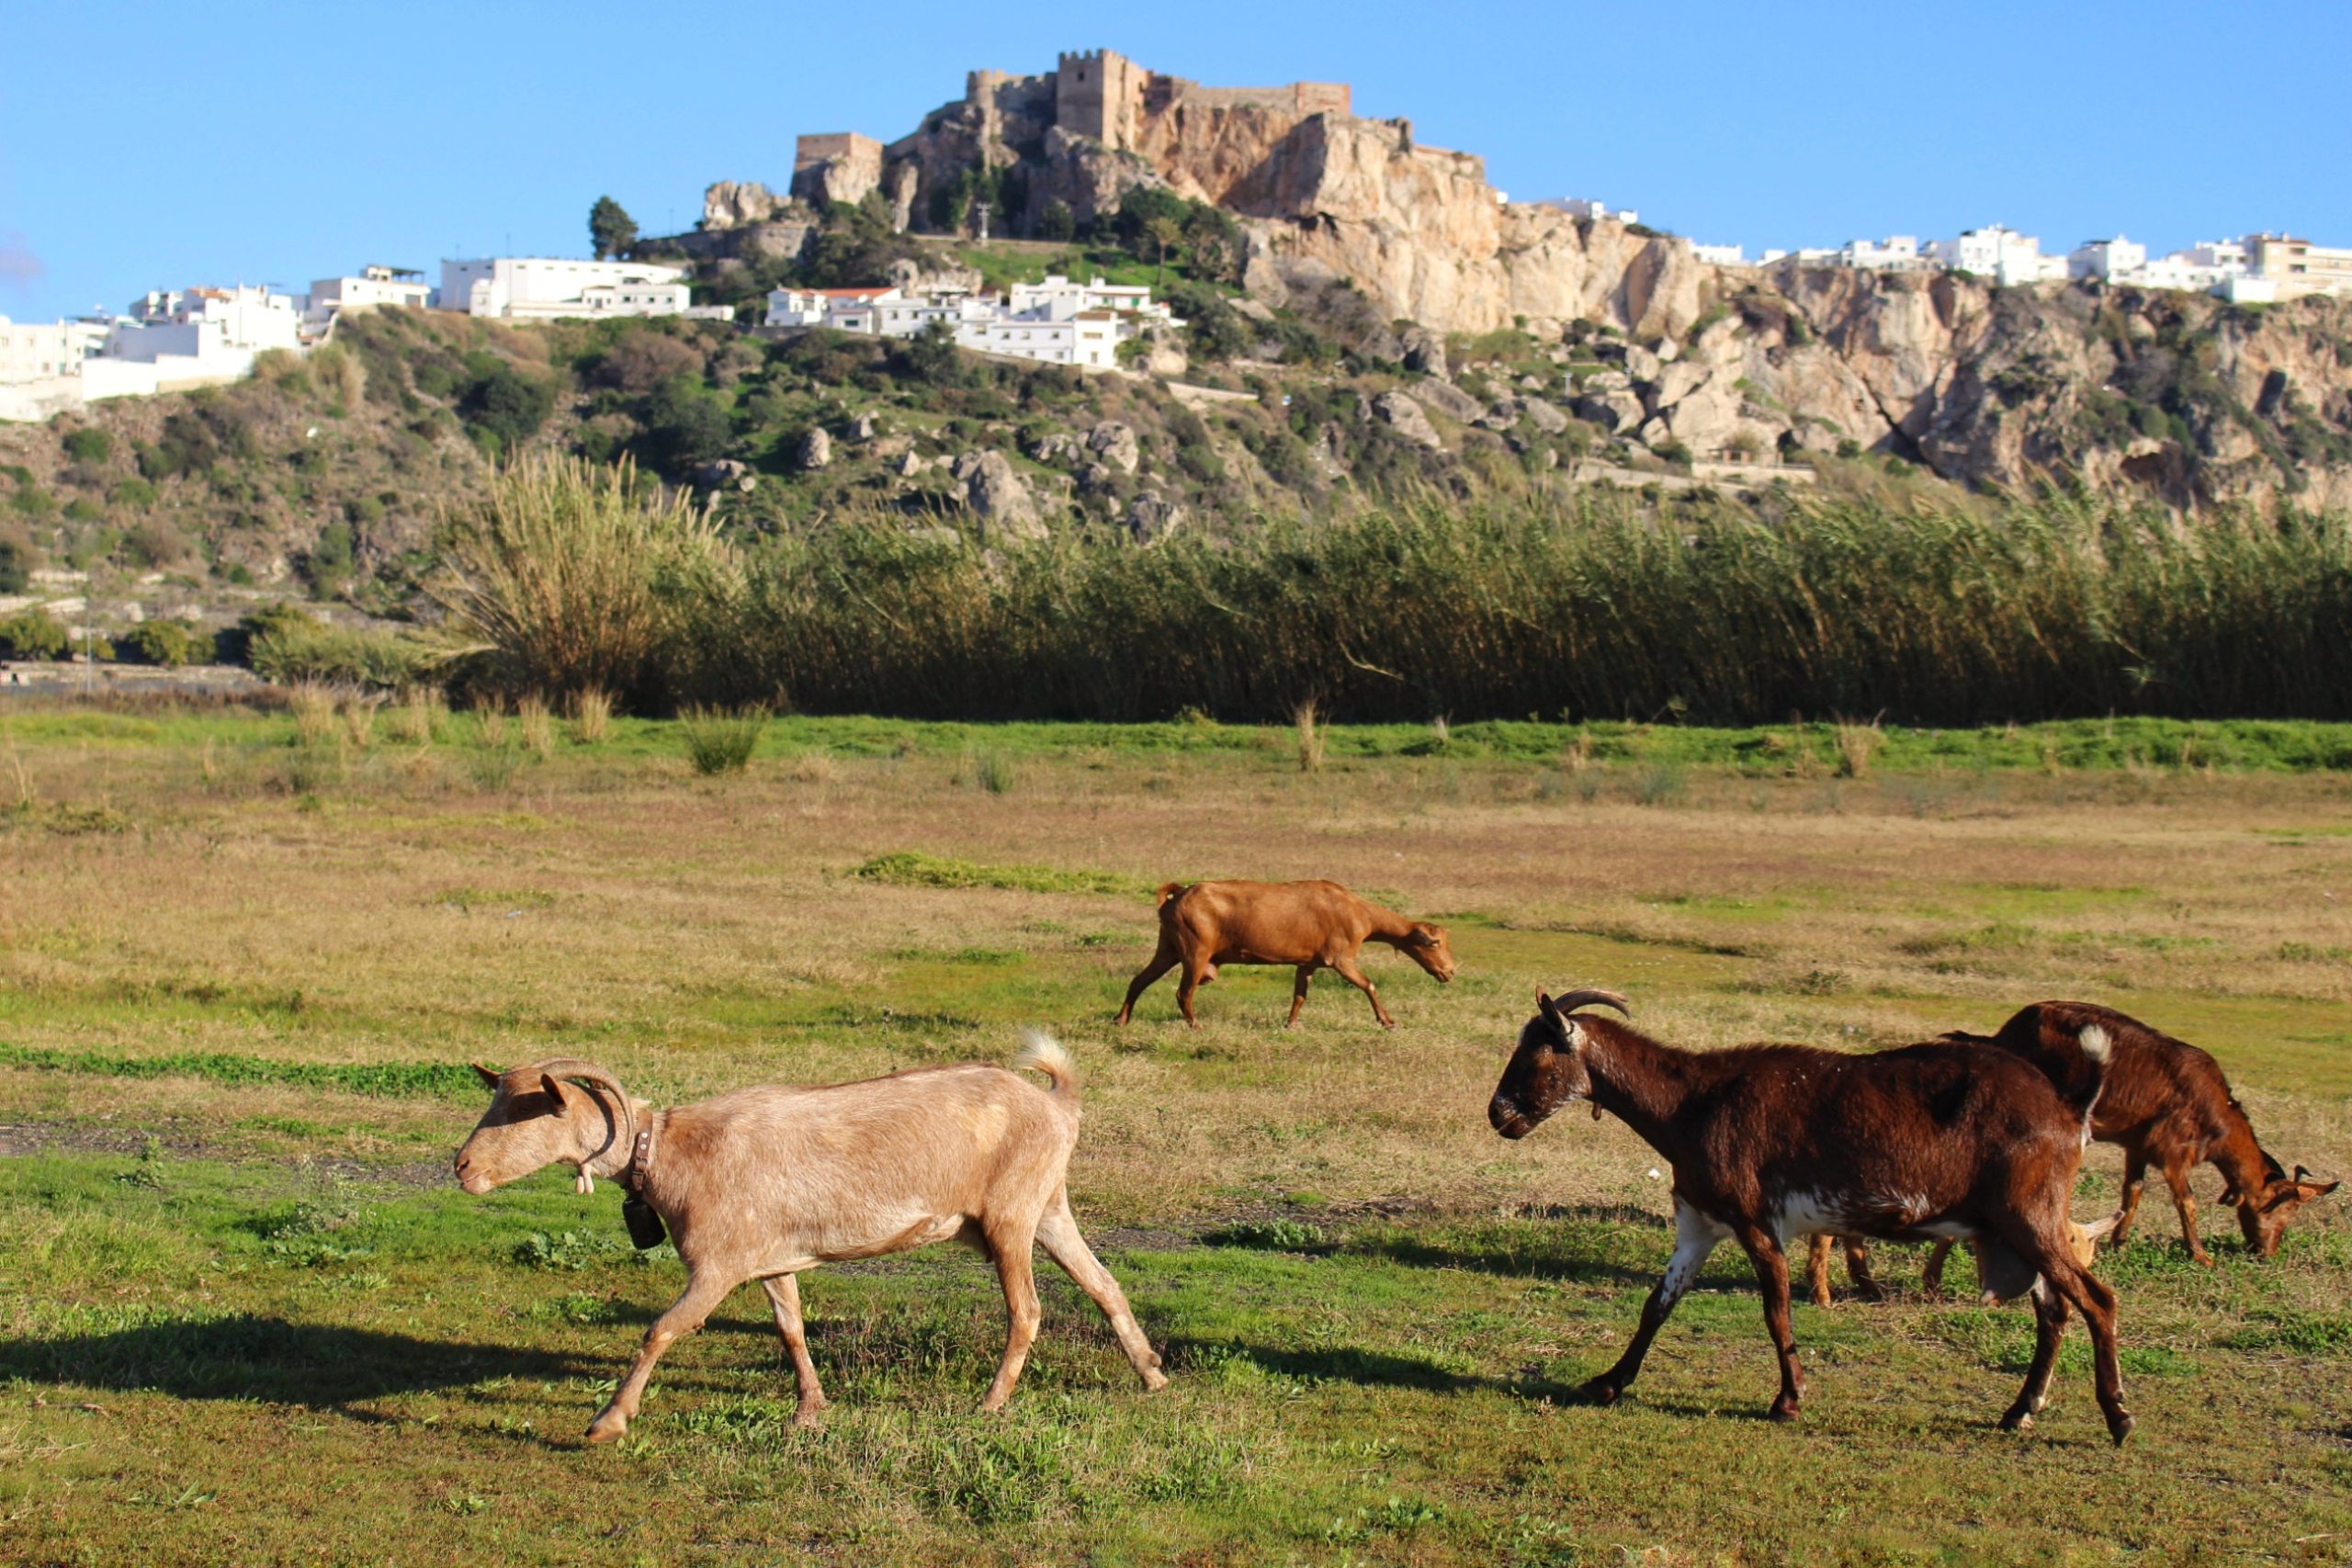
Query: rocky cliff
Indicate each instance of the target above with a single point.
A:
(2173, 395)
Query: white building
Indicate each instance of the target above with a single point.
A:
(1720, 256)
(543, 289)
(2117, 260)
(2001, 253)
(41, 351)
(376, 286)
(1584, 207)
(1056, 322)
(207, 324)
(1896, 251)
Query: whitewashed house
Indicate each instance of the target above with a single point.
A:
(544, 289)
(2117, 261)
(1583, 206)
(1894, 253)
(1720, 256)
(1056, 322)
(376, 286)
(2001, 253)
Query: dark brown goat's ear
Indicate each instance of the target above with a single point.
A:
(555, 1090)
(1544, 1005)
(488, 1075)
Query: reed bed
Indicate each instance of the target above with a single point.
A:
(1602, 607)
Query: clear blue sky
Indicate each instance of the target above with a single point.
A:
(152, 146)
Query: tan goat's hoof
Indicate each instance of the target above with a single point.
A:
(606, 1426)
(1154, 1380)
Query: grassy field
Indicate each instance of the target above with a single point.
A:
(249, 1318)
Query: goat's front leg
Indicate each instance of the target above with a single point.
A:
(1298, 993)
(1354, 975)
(705, 1290)
(1772, 1273)
(1858, 1271)
(1816, 1271)
(2135, 1176)
(1695, 1237)
(2176, 1178)
(1931, 1278)
(784, 1295)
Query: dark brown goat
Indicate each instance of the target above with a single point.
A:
(1314, 925)
(1944, 1139)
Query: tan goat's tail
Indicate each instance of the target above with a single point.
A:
(1041, 1052)
(1168, 890)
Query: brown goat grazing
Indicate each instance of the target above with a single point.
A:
(1770, 1142)
(2166, 1103)
(763, 1183)
(1314, 925)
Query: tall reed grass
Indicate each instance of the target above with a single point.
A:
(1595, 607)
(572, 576)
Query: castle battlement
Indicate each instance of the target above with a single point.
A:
(1102, 94)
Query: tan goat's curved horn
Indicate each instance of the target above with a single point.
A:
(590, 1073)
(1594, 997)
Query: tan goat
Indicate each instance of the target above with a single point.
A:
(764, 1182)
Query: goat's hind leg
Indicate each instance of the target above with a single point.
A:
(1163, 959)
(2049, 1328)
(1010, 1244)
(1063, 1241)
(1772, 1274)
(784, 1295)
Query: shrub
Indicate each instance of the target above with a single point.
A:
(88, 445)
(506, 405)
(33, 633)
(169, 643)
(575, 577)
(721, 740)
(369, 659)
(591, 715)
(535, 723)
(15, 565)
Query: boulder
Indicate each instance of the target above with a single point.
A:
(861, 429)
(726, 473)
(1404, 416)
(1115, 444)
(1544, 417)
(730, 204)
(1058, 448)
(816, 449)
(997, 494)
(1424, 350)
(1152, 517)
(1448, 400)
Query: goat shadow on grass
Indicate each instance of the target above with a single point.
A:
(1340, 1363)
(270, 1359)
(1585, 1243)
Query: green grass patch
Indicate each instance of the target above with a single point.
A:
(447, 1081)
(908, 868)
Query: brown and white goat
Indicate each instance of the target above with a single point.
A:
(1314, 925)
(764, 1182)
(1770, 1142)
(2167, 1104)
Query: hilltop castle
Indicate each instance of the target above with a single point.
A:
(1093, 103)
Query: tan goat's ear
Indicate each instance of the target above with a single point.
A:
(488, 1075)
(555, 1090)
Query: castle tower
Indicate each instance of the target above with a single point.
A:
(1099, 93)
